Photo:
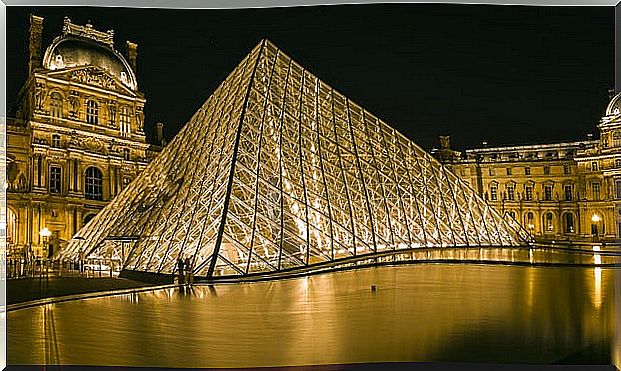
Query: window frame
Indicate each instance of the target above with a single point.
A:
(92, 112)
(93, 184)
(55, 179)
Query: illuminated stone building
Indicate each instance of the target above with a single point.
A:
(562, 191)
(77, 138)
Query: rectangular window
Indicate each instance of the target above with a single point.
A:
(494, 193)
(547, 193)
(92, 112)
(125, 121)
(56, 141)
(546, 170)
(618, 189)
(596, 191)
(569, 196)
(594, 166)
(566, 169)
(508, 171)
(618, 163)
(528, 194)
(491, 172)
(526, 171)
(55, 179)
(510, 193)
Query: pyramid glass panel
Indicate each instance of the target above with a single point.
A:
(278, 171)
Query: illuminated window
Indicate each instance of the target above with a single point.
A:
(55, 179)
(126, 153)
(56, 105)
(494, 192)
(511, 192)
(93, 184)
(528, 193)
(491, 172)
(125, 121)
(596, 190)
(526, 171)
(547, 193)
(92, 112)
(569, 192)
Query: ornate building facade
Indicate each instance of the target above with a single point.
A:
(77, 138)
(563, 191)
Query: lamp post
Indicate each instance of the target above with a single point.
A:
(596, 219)
(45, 235)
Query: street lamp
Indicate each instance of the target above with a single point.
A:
(45, 234)
(596, 219)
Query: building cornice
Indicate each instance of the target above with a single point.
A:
(69, 131)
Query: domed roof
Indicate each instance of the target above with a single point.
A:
(614, 107)
(71, 51)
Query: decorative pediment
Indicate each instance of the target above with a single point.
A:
(92, 75)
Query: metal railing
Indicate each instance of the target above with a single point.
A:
(19, 267)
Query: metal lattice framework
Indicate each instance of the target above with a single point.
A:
(279, 171)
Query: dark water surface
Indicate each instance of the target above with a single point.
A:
(426, 312)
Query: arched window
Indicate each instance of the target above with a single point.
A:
(56, 105)
(568, 223)
(529, 220)
(125, 121)
(92, 112)
(93, 184)
(548, 223)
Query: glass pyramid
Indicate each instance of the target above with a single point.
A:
(276, 172)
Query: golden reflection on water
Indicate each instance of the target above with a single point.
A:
(432, 312)
(597, 292)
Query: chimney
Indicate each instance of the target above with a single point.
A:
(160, 133)
(36, 33)
(132, 53)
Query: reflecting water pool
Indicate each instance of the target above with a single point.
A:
(425, 312)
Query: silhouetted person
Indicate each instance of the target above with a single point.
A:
(81, 261)
(188, 270)
(180, 265)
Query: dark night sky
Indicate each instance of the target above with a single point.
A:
(505, 74)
